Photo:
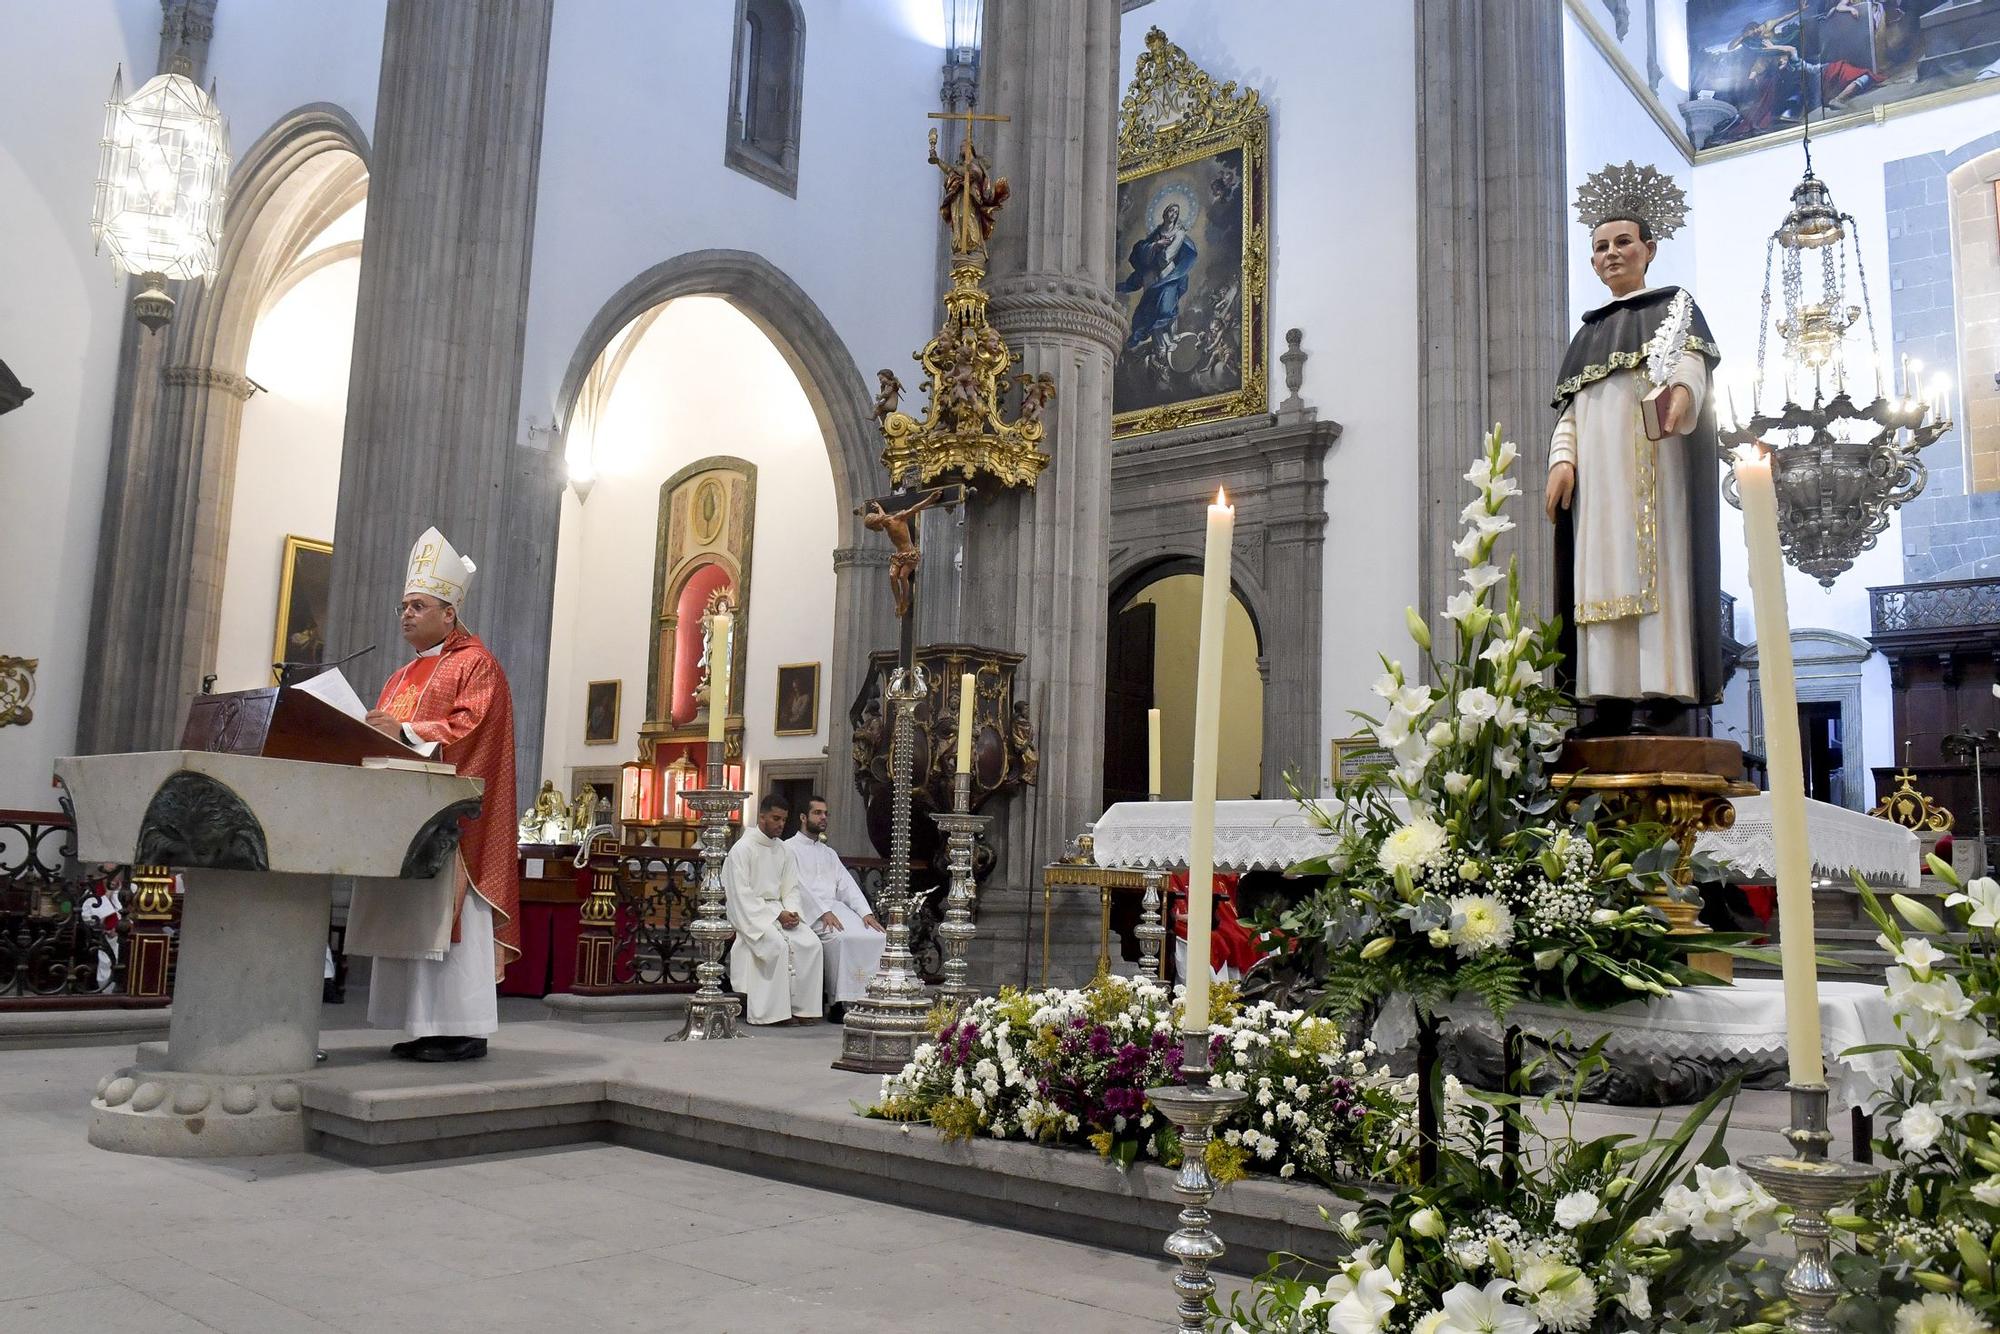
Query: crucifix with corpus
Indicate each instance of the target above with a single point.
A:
(895, 517)
(972, 196)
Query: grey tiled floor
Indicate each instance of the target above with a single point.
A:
(563, 1241)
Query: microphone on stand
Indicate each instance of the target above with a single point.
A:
(291, 673)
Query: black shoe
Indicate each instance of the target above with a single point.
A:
(837, 1013)
(407, 1051)
(451, 1049)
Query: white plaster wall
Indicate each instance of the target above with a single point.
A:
(632, 172)
(268, 59)
(287, 460)
(703, 380)
(61, 316)
(1739, 201)
(1605, 123)
(1344, 260)
(63, 311)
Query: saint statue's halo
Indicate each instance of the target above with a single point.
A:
(1174, 193)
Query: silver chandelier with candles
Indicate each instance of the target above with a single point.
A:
(1842, 465)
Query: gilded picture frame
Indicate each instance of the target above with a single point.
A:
(600, 712)
(1193, 247)
(1357, 756)
(796, 709)
(305, 583)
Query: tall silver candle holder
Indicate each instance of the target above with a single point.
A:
(1151, 931)
(1195, 1108)
(712, 1012)
(882, 1029)
(962, 830)
(1811, 1184)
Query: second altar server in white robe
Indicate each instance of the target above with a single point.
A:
(836, 909)
(776, 961)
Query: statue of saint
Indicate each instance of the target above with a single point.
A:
(972, 196)
(1637, 561)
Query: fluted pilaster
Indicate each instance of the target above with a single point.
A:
(433, 399)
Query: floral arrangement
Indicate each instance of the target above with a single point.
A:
(1463, 873)
(1612, 1234)
(1072, 1066)
(1928, 1231)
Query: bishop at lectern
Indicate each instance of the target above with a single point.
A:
(434, 978)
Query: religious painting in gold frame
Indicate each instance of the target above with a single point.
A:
(305, 587)
(797, 711)
(1359, 756)
(1193, 247)
(600, 712)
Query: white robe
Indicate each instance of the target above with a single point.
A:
(854, 952)
(778, 969)
(1633, 614)
(450, 997)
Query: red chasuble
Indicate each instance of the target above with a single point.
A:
(460, 698)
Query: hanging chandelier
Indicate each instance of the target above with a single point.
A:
(162, 168)
(1842, 466)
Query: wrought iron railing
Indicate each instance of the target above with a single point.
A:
(1948, 604)
(63, 927)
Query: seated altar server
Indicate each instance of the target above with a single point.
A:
(776, 961)
(439, 955)
(836, 909)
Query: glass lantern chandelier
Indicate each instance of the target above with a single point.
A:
(162, 169)
(1841, 466)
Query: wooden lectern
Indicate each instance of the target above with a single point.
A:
(284, 723)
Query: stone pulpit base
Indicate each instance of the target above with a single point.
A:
(258, 843)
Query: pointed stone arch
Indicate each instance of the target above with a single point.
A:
(156, 604)
(863, 618)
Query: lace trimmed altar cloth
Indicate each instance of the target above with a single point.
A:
(1744, 1023)
(1274, 835)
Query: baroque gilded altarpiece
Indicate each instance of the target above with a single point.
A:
(704, 540)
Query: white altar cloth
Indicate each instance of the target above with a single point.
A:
(1274, 835)
(1744, 1022)
(1249, 835)
(1841, 839)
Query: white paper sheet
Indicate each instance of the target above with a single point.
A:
(333, 687)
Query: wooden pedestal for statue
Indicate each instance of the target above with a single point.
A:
(1684, 783)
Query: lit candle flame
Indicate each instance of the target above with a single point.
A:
(1221, 498)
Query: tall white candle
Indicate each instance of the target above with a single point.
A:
(965, 723)
(1152, 752)
(1787, 769)
(1207, 745)
(718, 679)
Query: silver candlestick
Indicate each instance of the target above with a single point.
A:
(1195, 1108)
(1811, 1185)
(1152, 932)
(712, 1012)
(961, 829)
(881, 1031)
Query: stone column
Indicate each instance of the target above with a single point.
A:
(1493, 297)
(141, 658)
(860, 578)
(433, 431)
(1038, 561)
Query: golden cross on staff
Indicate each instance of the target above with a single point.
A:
(968, 116)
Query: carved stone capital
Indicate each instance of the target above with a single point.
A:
(860, 558)
(1034, 304)
(208, 377)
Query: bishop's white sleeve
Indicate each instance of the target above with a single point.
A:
(1562, 444)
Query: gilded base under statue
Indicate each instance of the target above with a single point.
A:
(1684, 783)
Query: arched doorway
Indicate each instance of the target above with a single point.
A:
(169, 491)
(1151, 653)
(841, 406)
(659, 530)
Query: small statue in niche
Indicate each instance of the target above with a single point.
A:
(1021, 733)
(547, 821)
(888, 395)
(583, 813)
